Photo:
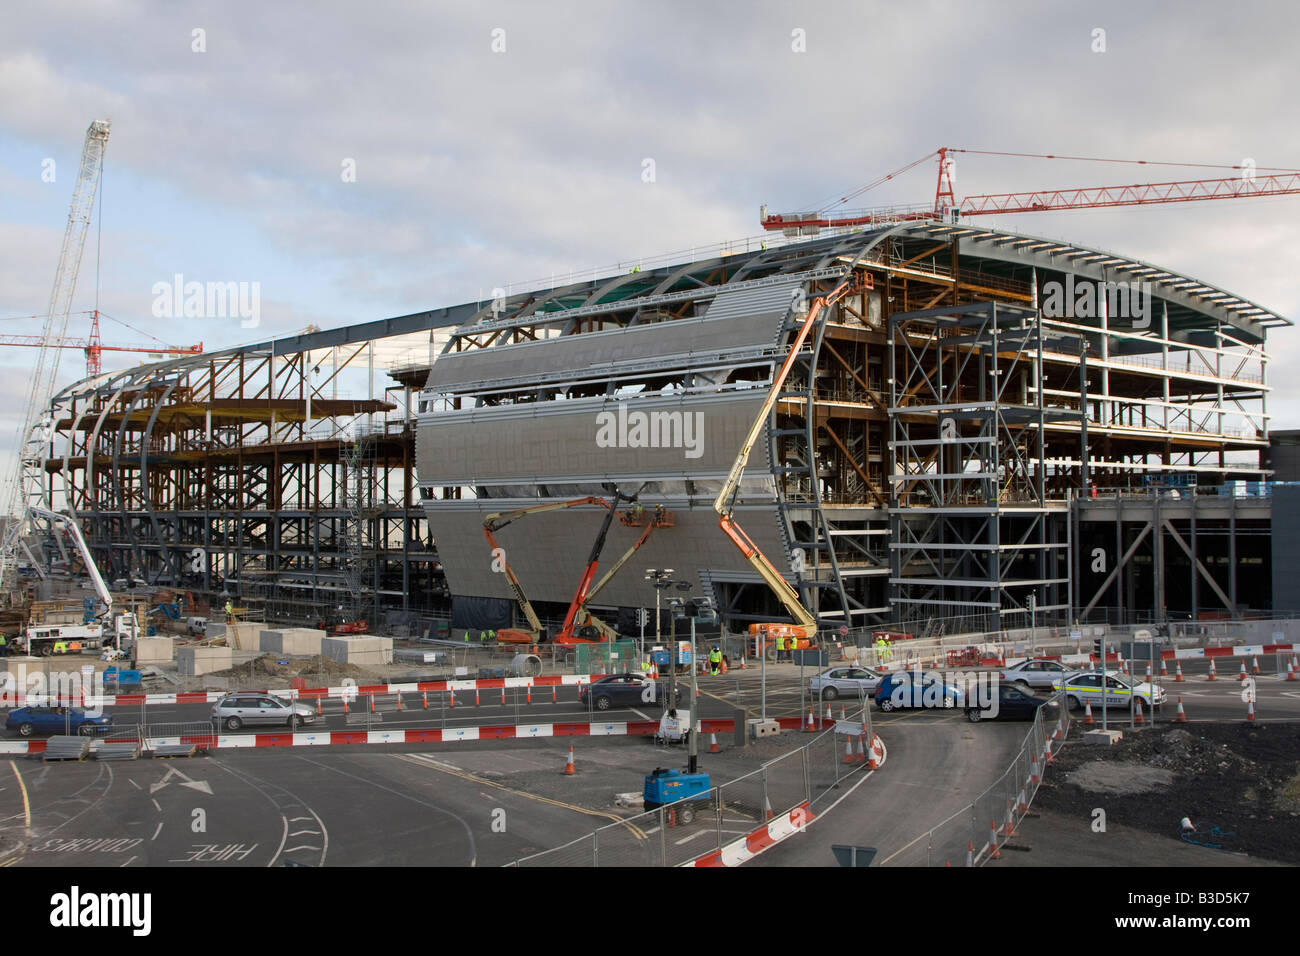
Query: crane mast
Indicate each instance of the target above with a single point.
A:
(26, 488)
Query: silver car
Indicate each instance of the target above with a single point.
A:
(1035, 673)
(235, 710)
(844, 682)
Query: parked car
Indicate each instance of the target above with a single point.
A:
(57, 720)
(910, 689)
(1014, 703)
(845, 682)
(1035, 673)
(624, 690)
(1084, 687)
(235, 710)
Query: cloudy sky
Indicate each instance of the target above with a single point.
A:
(498, 142)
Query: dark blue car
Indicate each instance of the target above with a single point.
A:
(910, 689)
(57, 720)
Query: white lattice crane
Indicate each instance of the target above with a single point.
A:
(27, 485)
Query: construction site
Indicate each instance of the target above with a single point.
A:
(958, 428)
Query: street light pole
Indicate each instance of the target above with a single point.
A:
(692, 765)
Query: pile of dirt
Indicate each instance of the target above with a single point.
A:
(306, 667)
(1239, 784)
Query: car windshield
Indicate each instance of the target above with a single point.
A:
(1124, 679)
(279, 700)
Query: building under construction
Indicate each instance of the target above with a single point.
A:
(996, 428)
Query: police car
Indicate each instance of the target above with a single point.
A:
(1084, 687)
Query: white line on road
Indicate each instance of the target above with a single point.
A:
(156, 806)
(129, 862)
(698, 833)
(157, 831)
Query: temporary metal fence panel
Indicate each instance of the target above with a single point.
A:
(579, 852)
(637, 841)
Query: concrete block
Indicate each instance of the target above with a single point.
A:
(154, 650)
(291, 641)
(1105, 737)
(763, 728)
(197, 661)
(362, 650)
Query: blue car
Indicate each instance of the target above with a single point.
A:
(57, 720)
(910, 689)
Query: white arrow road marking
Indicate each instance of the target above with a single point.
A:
(201, 785)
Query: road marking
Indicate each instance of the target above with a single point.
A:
(134, 784)
(200, 785)
(27, 806)
(464, 775)
(156, 806)
(688, 839)
(157, 831)
(129, 862)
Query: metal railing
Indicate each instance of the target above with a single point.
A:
(687, 830)
(976, 832)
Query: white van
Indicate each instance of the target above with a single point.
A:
(197, 626)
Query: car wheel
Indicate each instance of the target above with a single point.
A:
(85, 730)
(974, 716)
(1073, 702)
(25, 730)
(603, 703)
(295, 722)
(685, 815)
(233, 723)
(886, 705)
(47, 650)
(829, 693)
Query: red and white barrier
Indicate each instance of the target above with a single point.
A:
(770, 834)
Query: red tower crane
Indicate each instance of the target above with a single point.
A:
(1246, 184)
(94, 346)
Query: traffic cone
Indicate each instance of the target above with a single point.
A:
(1250, 712)
(872, 763)
(1137, 716)
(476, 701)
(569, 769)
(1182, 715)
(713, 744)
(722, 668)
(862, 751)
(317, 706)
(1290, 670)
(426, 700)
(841, 712)
(970, 853)
(993, 840)
(372, 703)
(767, 808)
(1254, 665)
(1087, 712)
(830, 718)
(399, 702)
(1213, 675)
(1164, 671)
(452, 695)
(848, 750)
(810, 720)
(552, 693)
(345, 703)
(529, 689)
(1178, 672)
(1047, 749)
(1021, 805)
(1033, 771)
(503, 695)
(1242, 675)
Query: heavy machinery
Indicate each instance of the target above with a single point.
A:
(96, 629)
(804, 628)
(495, 522)
(579, 625)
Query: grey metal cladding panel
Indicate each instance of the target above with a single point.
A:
(1286, 547)
(554, 441)
(765, 299)
(549, 551)
(597, 350)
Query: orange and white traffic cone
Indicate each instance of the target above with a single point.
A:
(970, 852)
(811, 725)
(993, 840)
(767, 808)
(451, 697)
(372, 703)
(848, 750)
(872, 763)
(1290, 670)
(1137, 716)
(569, 769)
(1164, 671)
(529, 695)
(1022, 805)
(476, 700)
(1047, 749)
(713, 744)
(317, 706)
(1213, 675)
(862, 751)
(345, 703)
(503, 695)
(425, 697)
(1182, 715)
(1033, 771)
(399, 702)
(842, 716)
(1178, 672)
(552, 693)
(1254, 665)
(1242, 675)
(1250, 711)
(1087, 712)
(830, 718)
